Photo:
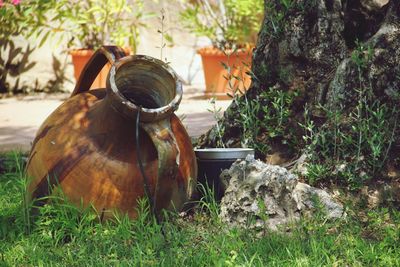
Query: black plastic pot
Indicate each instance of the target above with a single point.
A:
(212, 161)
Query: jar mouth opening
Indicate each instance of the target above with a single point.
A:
(145, 83)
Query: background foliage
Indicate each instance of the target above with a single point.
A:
(224, 22)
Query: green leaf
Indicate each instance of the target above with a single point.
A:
(44, 38)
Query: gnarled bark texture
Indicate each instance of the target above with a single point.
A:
(325, 51)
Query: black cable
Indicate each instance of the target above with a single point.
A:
(140, 163)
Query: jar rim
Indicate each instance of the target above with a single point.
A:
(129, 108)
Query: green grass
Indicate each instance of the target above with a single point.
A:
(62, 235)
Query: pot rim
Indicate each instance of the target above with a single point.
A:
(223, 153)
(89, 51)
(215, 51)
(81, 52)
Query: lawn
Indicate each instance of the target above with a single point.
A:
(59, 234)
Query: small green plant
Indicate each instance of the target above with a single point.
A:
(275, 16)
(259, 222)
(316, 172)
(219, 126)
(165, 37)
(353, 148)
(361, 55)
(59, 222)
(265, 117)
(251, 125)
(208, 202)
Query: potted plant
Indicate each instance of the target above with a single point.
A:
(212, 161)
(92, 23)
(232, 26)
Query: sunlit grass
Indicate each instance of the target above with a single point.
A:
(60, 234)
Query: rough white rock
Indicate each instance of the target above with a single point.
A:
(261, 195)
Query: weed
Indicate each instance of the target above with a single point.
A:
(266, 116)
(263, 214)
(316, 172)
(276, 14)
(165, 37)
(352, 148)
(217, 117)
(208, 202)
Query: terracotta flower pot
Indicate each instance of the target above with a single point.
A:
(79, 59)
(217, 76)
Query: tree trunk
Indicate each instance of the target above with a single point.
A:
(326, 77)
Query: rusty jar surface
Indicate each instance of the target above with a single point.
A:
(88, 145)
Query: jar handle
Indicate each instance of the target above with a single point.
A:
(160, 132)
(102, 56)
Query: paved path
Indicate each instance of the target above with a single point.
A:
(21, 118)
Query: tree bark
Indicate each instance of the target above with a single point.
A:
(328, 56)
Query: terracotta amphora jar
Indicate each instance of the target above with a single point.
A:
(88, 146)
